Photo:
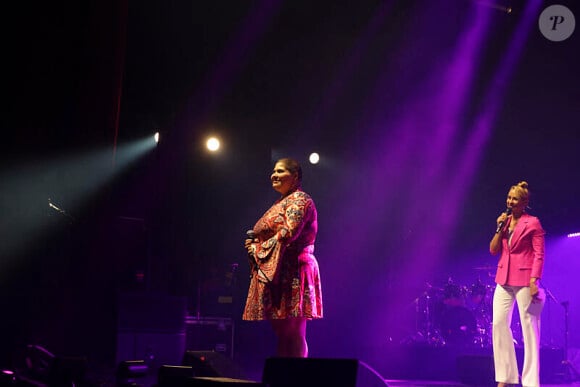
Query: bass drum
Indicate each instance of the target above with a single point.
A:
(458, 326)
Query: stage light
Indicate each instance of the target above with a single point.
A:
(574, 235)
(213, 144)
(130, 371)
(314, 158)
(499, 7)
(156, 137)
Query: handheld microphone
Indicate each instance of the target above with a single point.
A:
(507, 211)
(250, 234)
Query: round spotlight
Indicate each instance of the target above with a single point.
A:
(156, 137)
(314, 158)
(213, 144)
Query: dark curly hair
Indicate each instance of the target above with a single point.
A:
(292, 165)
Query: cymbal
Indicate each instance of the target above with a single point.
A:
(488, 268)
(431, 287)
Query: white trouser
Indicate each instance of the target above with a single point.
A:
(504, 354)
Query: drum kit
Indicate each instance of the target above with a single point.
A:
(458, 315)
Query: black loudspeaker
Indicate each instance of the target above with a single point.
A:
(212, 364)
(310, 372)
(476, 370)
(174, 376)
(184, 376)
(221, 382)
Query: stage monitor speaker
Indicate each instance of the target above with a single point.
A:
(174, 376)
(310, 372)
(221, 382)
(212, 364)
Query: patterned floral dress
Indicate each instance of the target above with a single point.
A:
(285, 276)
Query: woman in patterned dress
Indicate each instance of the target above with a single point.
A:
(285, 284)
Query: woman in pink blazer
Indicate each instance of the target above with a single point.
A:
(519, 239)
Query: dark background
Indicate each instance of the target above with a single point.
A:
(273, 79)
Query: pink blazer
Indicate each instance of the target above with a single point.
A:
(524, 257)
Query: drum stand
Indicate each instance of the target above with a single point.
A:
(425, 330)
(571, 373)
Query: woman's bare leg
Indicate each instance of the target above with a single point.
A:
(291, 334)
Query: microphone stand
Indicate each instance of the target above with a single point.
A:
(571, 373)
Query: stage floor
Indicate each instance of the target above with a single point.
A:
(420, 365)
(433, 383)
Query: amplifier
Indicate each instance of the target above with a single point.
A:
(210, 334)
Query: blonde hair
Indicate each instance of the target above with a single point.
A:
(523, 192)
